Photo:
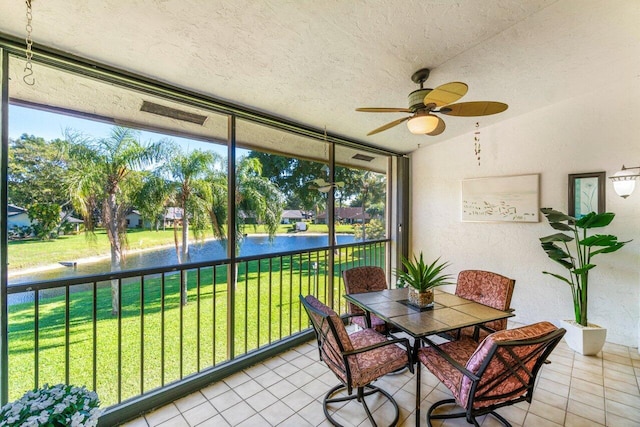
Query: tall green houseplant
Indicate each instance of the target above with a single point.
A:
(574, 252)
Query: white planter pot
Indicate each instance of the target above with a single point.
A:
(586, 340)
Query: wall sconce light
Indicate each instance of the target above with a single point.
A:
(624, 181)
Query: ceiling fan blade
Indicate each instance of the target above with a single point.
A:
(446, 94)
(475, 108)
(439, 129)
(384, 110)
(388, 125)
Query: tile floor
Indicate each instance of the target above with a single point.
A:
(287, 390)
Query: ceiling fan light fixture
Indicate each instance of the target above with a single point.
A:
(422, 123)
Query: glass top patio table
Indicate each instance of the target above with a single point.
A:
(449, 311)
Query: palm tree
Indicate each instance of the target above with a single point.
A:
(103, 176)
(256, 197)
(191, 191)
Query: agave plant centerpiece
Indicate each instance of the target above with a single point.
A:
(422, 278)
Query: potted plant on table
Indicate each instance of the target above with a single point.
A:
(422, 278)
(574, 251)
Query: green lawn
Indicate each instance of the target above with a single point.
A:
(193, 336)
(31, 253)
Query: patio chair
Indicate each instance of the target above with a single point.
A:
(487, 288)
(365, 279)
(499, 371)
(357, 359)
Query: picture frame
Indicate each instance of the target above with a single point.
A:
(501, 199)
(586, 193)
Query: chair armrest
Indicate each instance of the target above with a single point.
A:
(452, 361)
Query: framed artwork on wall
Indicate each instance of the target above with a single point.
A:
(586, 193)
(501, 199)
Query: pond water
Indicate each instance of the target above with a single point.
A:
(206, 251)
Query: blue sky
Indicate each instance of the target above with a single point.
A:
(50, 126)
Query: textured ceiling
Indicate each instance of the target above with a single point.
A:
(314, 62)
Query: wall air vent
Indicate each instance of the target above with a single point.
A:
(172, 113)
(363, 157)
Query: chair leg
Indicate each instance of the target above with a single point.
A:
(359, 396)
(471, 419)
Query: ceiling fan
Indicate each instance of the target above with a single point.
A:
(424, 103)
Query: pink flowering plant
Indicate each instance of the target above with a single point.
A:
(58, 405)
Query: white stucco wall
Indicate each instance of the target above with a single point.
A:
(596, 132)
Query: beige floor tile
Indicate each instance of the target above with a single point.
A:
(217, 421)
(253, 421)
(268, 379)
(587, 398)
(257, 370)
(261, 400)
(614, 420)
(553, 387)
(214, 390)
(237, 379)
(295, 421)
(138, 422)
(162, 414)
(622, 386)
(238, 413)
(276, 413)
(225, 400)
(190, 401)
(550, 398)
(313, 413)
(629, 378)
(621, 397)
(613, 366)
(178, 421)
(298, 400)
(588, 376)
(248, 389)
(589, 387)
(533, 420)
(623, 360)
(547, 412)
(200, 413)
(585, 410)
(573, 420)
(623, 410)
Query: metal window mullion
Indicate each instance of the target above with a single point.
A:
(119, 340)
(280, 311)
(183, 273)
(142, 335)
(213, 323)
(231, 230)
(258, 296)
(246, 306)
(36, 337)
(67, 331)
(270, 311)
(198, 320)
(162, 327)
(4, 161)
(94, 316)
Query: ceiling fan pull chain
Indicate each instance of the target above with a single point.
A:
(476, 139)
(28, 68)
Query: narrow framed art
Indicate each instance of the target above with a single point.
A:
(586, 193)
(501, 199)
